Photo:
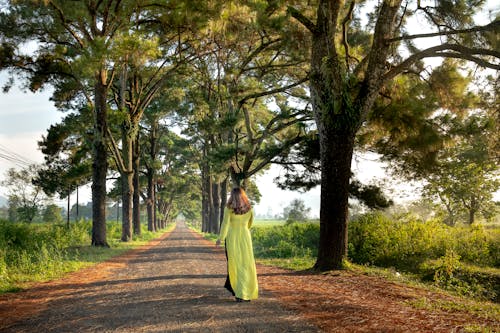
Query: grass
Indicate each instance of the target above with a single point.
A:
(486, 310)
(42, 252)
(268, 223)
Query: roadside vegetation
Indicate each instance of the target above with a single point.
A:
(462, 259)
(40, 252)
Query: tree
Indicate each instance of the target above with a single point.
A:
(67, 149)
(52, 213)
(25, 198)
(349, 68)
(76, 42)
(239, 133)
(467, 176)
(296, 211)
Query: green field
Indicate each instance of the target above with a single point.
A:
(268, 223)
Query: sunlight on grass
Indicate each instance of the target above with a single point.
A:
(297, 263)
(268, 223)
(485, 310)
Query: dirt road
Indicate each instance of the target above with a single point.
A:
(174, 286)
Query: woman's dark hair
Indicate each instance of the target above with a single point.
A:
(238, 201)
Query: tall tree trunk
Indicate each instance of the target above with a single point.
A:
(150, 202)
(99, 163)
(214, 223)
(157, 211)
(336, 142)
(206, 192)
(136, 197)
(77, 205)
(67, 215)
(336, 154)
(127, 176)
(151, 175)
(223, 200)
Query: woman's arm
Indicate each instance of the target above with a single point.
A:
(250, 221)
(224, 228)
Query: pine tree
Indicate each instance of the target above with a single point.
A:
(351, 64)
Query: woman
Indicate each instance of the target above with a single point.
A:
(235, 231)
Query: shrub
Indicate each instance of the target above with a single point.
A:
(292, 240)
(407, 242)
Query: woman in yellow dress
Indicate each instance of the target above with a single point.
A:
(235, 231)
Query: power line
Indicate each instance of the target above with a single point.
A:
(11, 153)
(14, 160)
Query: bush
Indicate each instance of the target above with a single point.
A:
(455, 258)
(406, 243)
(292, 240)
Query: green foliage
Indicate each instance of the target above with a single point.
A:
(296, 211)
(293, 240)
(38, 252)
(455, 258)
(406, 242)
(52, 213)
(462, 259)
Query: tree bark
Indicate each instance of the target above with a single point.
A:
(216, 208)
(151, 174)
(223, 200)
(206, 195)
(68, 212)
(136, 197)
(99, 164)
(150, 202)
(336, 155)
(127, 176)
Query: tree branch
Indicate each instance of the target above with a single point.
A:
(116, 152)
(462, 52)
(302, 19)
(68, 28)
(270, 92)
(269, 159)
(255, 52)
(493, 26)
(345, 21)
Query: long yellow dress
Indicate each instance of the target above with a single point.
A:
(235, 231)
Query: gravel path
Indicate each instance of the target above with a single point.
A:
(174, 286)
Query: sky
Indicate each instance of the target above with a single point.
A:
(25, 117)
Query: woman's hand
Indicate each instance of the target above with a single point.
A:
(217, 243)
